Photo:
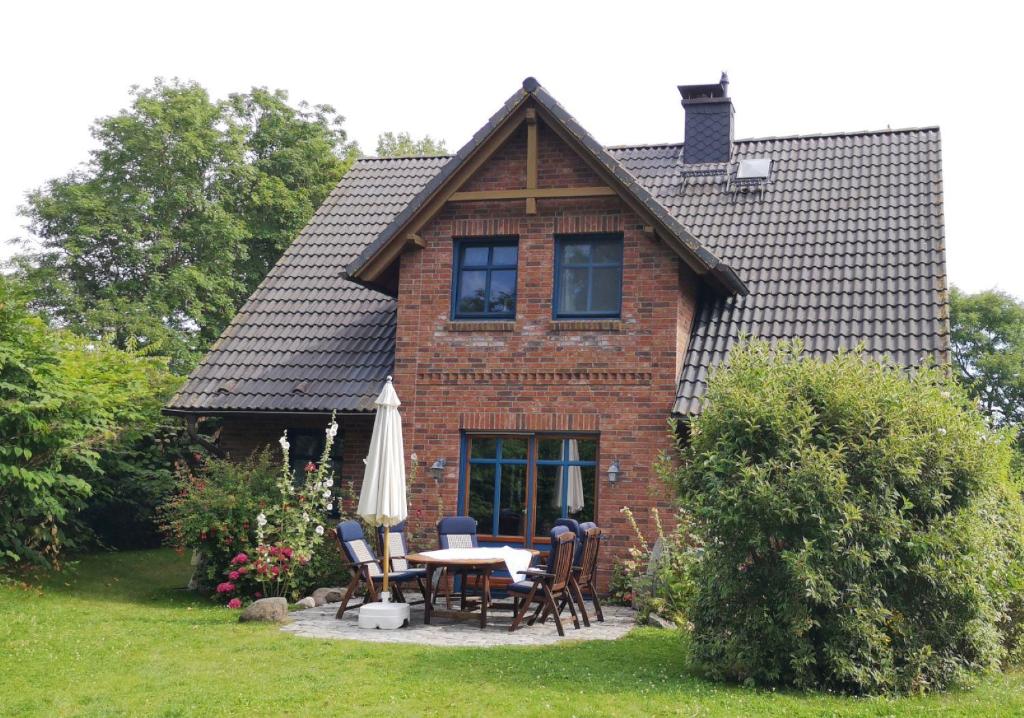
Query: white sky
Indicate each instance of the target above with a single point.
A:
(444, 68)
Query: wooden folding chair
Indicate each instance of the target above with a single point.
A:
(549, 586)
(366, 568)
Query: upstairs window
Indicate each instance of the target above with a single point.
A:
(588, 276)
(485, 279)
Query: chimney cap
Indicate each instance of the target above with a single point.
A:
(716, 92)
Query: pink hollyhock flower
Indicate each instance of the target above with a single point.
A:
(235, 603)
(240, 558)
(234, 575)
(286, 552)
(275, 570)
(226, 587)
(274, 551)
(310, 467)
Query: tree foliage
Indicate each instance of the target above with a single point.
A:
(988, 348)
(862, 532)
(179, 213)
(64, 400)
(402, 144)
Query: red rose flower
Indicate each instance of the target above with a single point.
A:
(235, 603)
(226, 587)
(240, 558)
(234, 575)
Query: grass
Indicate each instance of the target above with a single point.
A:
(115, 636)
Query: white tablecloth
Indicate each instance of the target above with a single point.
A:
(516, 560)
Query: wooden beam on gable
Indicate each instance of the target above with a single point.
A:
(413, 238)
(531, 158)
(379, 263)
(543, 193)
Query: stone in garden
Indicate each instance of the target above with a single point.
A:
(658, 622)
(307, 602)
(327, 595)
(266, 609)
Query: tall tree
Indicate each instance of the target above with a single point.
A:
(988, 349)
(402, 144)
(178, 214)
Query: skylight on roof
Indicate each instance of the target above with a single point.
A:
(757, 168)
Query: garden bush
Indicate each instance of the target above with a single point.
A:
(256, 528)
(65, 400)
(862, 530)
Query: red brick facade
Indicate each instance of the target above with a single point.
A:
(612, 378)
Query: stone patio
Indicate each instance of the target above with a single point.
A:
(320, 623)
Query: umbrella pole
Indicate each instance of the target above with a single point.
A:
(387, 557)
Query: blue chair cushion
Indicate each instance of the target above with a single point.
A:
(350, 531)
(463, 527)
(520, 587)
(409, 575)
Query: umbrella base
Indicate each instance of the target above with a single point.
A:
(384, 615)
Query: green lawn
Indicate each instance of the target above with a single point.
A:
(116, 637)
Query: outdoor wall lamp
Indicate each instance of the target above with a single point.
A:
(437, 470)
(613, 472)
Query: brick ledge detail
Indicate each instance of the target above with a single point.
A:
(471, 326)
(596, 378)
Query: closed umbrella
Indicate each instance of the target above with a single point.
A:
(382, 499)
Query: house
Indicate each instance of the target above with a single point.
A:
(546, 303)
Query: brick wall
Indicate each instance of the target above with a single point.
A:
(242, 435)
(615, 378)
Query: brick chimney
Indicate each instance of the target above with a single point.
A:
(709, 122)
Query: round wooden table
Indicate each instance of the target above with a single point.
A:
(483, 566)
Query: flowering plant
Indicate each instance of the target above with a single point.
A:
(289, 529)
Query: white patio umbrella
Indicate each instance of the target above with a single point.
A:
(382, 499)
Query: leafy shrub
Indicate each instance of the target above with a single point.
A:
(862, 532)
(255, 528)
(65, 399)
(662, 583)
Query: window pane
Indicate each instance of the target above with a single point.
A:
(503, 291)
(582, 481)
(476, 256)
(505, 255)
(573, 292)
(484, 448)
(575, 253)
(585, 449)
(605, 294)
(481, 495)
(549, 449)
(513, 449)
(549, 499)
(606, 252)
(471, 292)
(512, 515)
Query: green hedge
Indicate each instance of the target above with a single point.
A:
(862, 529)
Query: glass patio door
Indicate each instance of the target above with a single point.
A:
(517, 486)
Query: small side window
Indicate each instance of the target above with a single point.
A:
(588, 276)
(484, 279)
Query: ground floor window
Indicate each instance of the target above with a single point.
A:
(307, 446)
(517, 486)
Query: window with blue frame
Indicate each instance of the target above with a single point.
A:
(588, 276)
(515, 483)
(496, 487)
(566, 478)
(485, 274)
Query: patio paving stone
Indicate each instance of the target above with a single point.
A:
(320, 623)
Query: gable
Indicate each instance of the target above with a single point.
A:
(533, 106)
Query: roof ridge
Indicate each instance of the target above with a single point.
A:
(765, 138)
(375, 158)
